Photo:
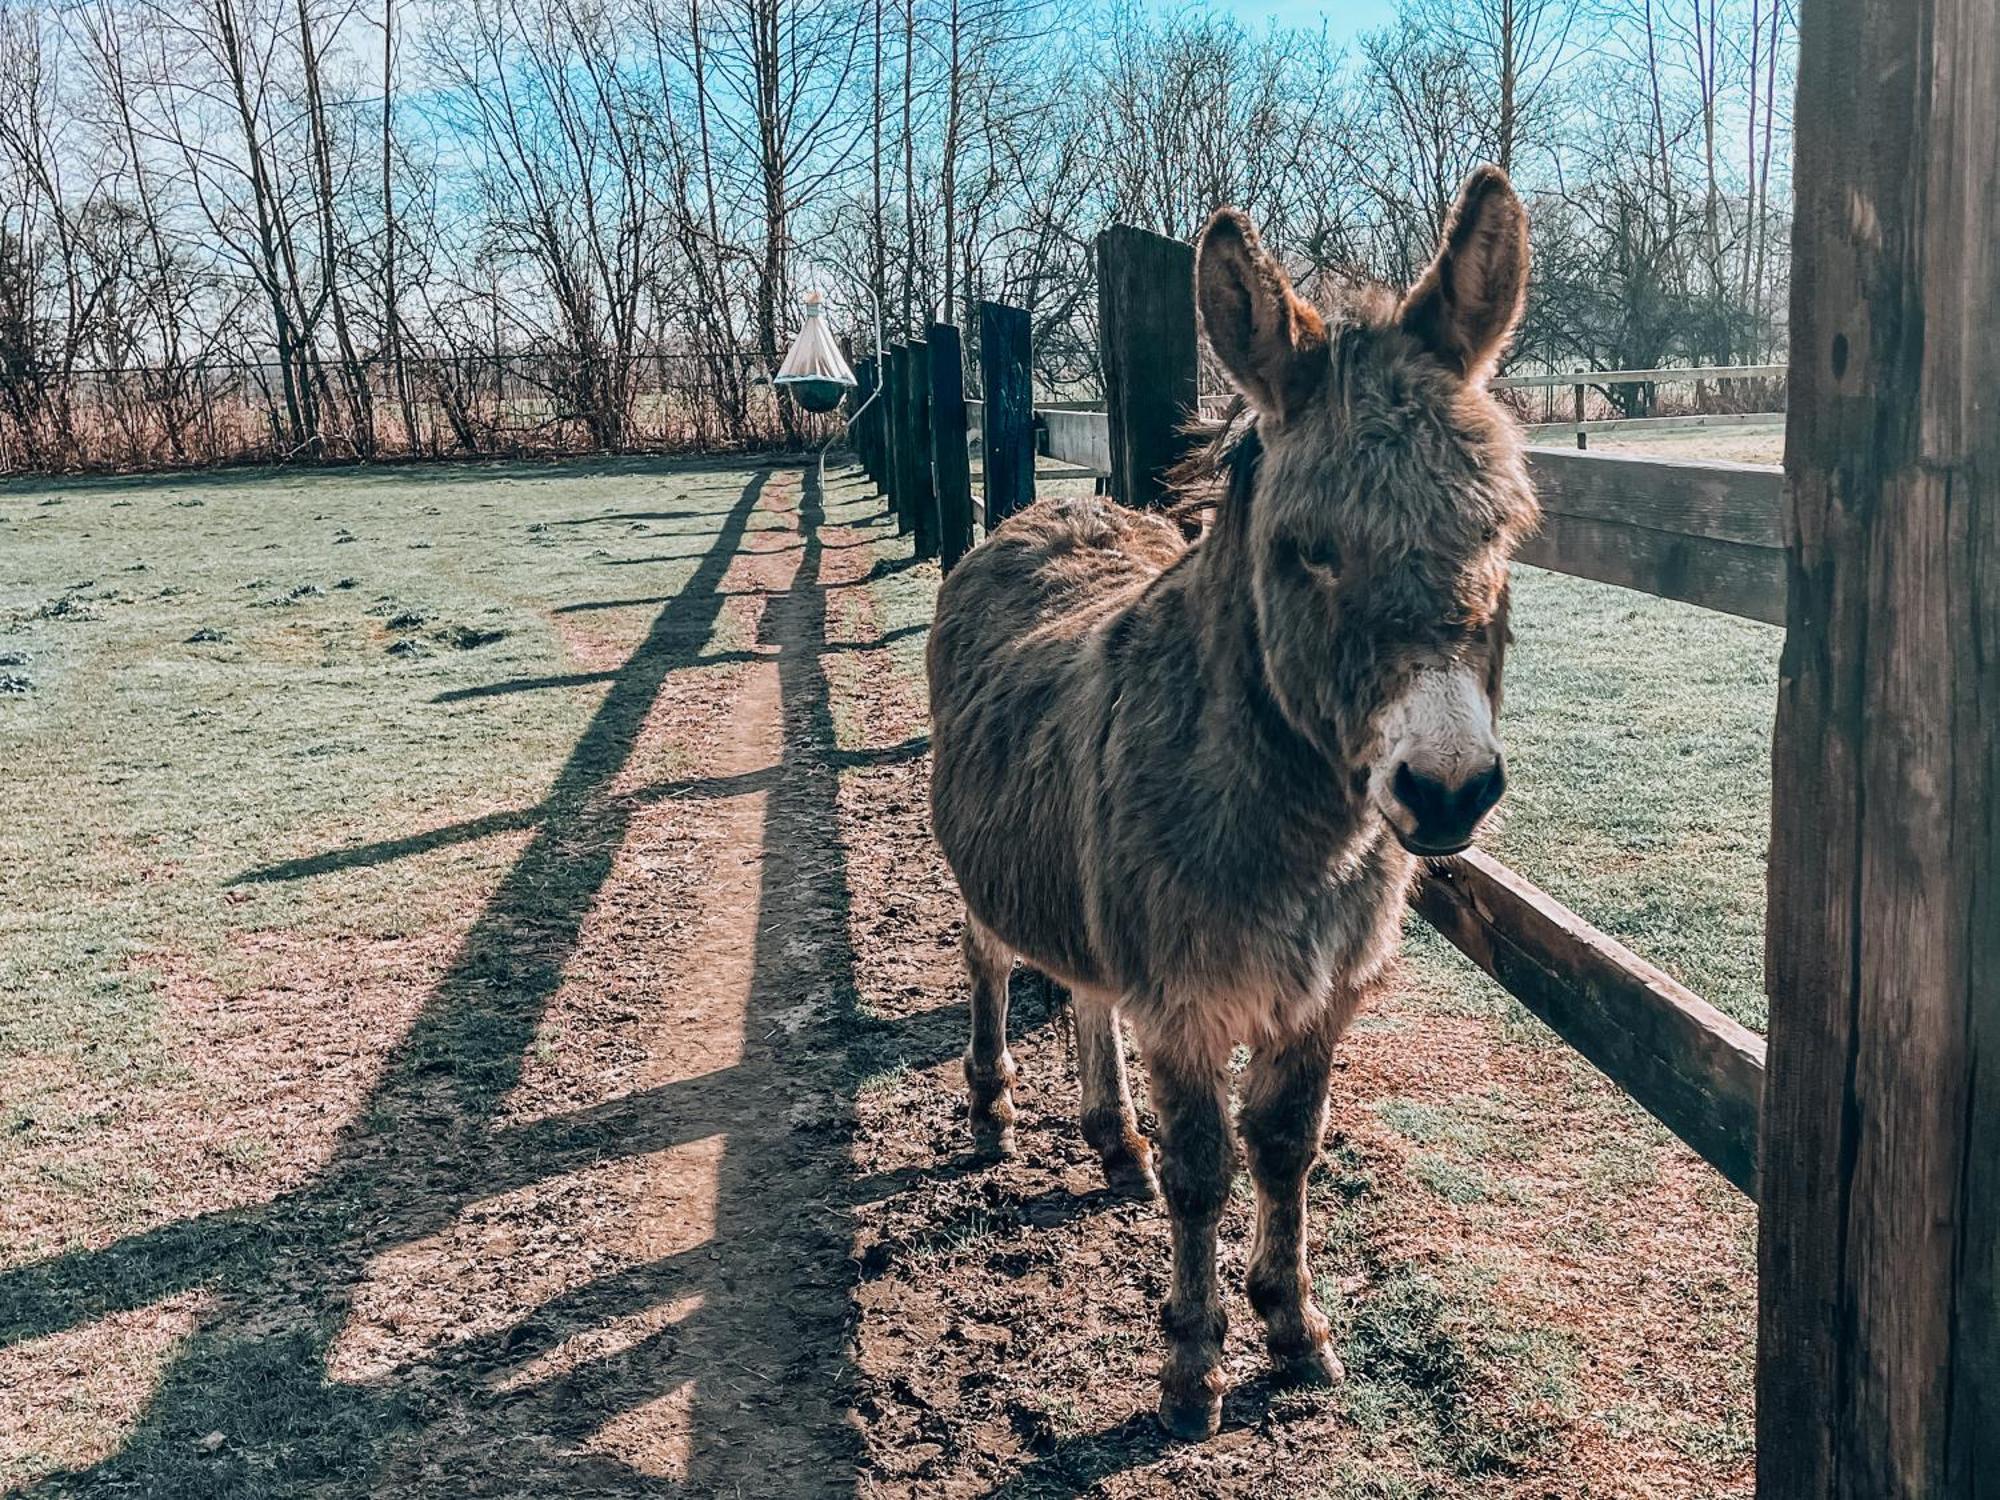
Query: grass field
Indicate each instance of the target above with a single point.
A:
(477, 1009)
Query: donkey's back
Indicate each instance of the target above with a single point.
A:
(1031, 593)
(1020, 708)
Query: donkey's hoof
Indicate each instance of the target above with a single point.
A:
(1131, 1177)
(1317, 1365)
(994, 1143)
(1192, 1418)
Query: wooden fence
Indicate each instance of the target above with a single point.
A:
(1874, 1147)
(1581, 382)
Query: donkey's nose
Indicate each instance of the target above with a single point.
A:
(1442, 816)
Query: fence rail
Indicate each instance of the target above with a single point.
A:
(1666, 375)
(428, 406)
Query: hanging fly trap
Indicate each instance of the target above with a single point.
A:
(814, 371)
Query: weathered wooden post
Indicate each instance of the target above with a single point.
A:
(951, 464)
(1582, 438)
(1008, 429)
(1147, 343)
(1878, 1362)
(861, 418)
(894, 430)
(922, 497)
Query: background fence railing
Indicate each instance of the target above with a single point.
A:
(471, 405)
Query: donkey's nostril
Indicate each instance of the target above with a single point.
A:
(1478, 795)
(1427, 798)
(1442, 816)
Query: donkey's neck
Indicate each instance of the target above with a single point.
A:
(1303, 793)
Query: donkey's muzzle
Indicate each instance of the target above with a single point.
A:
(1443, 817)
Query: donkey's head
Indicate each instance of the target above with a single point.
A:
(1388, 492)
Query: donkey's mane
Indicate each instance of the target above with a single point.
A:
(1221, 466)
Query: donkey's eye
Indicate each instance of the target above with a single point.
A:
(1320, 558)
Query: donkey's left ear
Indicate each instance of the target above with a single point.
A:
(1465, 306)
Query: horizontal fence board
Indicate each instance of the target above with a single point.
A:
(1708, 534)
(1725, 502)
(1082, 438)
(1683, 375)
(1727, 576)
(1691, 1067)
(1640, 426)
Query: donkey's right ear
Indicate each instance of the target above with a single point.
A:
(1272, 343)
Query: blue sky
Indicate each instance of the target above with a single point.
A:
(1344, 18)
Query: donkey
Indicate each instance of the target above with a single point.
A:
(1191, 780)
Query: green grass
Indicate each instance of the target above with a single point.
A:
(1638, 746)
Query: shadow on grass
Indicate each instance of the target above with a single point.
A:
(716, 659)
(760, 1362)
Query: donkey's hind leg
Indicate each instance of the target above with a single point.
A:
(1281, 1120)
(1109, 1123)
(989, 1067)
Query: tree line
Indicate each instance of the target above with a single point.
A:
(353, 228)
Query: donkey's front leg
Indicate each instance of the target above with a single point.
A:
(1197, 1154)
(1282, 1119)
(989, 1066)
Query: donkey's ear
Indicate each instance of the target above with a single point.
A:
(1465, 306)
(1272, 343)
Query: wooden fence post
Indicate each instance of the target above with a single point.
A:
(859, 428)
(917, 427)
(1008, 429)
(1878, 1362)
(1582, 439)
(1147, 343)
(896, 434)
(951, 464)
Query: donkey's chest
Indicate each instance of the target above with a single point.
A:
(1268, 962)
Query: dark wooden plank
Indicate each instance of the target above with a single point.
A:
(1007, 425)
(1704, 533)
(1691, 1067)
(917, 426)
(1729, 502)
(861, 420)
(1147, 343)
(1878, 1368)
(1727, 576)
(895, 413)
(951, 463)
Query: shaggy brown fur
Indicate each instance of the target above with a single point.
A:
(1180, 778)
